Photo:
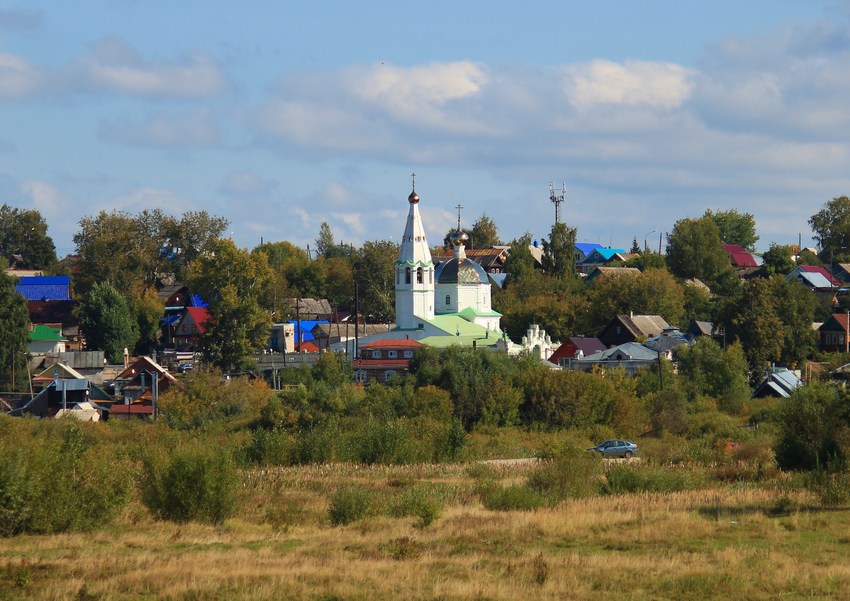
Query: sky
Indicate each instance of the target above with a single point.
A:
(281, 115)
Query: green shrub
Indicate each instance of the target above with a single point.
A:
(349, 505)
(418, 503)
(516, 497)
(53, 479)
(194, 483)
(622, 479)
(270, 447)
(572, 472)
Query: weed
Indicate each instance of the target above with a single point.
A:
(541, 569)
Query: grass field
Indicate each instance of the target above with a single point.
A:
(765, 541)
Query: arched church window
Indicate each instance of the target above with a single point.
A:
(448, 299)
(407, 275)
(419, 275)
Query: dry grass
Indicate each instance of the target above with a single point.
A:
(711, 544)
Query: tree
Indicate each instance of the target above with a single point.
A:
(695, 250)
(14, 335)
(558, 251)
(831, 227)
(106, 322)
(24, 232)
(735, 228)
(146, 309)
(484, 233)
(652, 292)
(636, 249)
(325, 242)
(131, 251)
(375, 278)
(519, 265)
(232, 280)
(647, 260)
(755, 323)
(714, 372)
(778, 260)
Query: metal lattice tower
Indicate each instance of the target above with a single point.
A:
(557, 199)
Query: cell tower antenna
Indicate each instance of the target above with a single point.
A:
(557, 199)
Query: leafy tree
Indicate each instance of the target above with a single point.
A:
(232, 280)
(376, 280)
(695, 250)
(814, 428)
(558, 257)
(484, 233)
(735, 227)
(14, 335)
(519, 265)
(131, 251)
(106, 322)
(24, 232)
(715, 372)
(778, 260)
(795, 306)
(831, 227)
(147, 310)
(754, 320)
(651, 292)
(647, 260)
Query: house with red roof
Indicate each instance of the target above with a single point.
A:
(574, 348)
(816, 278)
(382, 360)
(834, 334)
(138, 388)
(190, 326)
(743, 261)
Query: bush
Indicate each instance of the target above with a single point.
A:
(349, 505)
(195, 483)
(516, 497)
(418, 503)
(629, 479)
(52, 479)
(572, 472)
(270, 447)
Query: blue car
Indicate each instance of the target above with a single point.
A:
(616, 448)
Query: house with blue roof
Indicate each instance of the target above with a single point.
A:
(602, 256)
(582, 249)
(45, 287)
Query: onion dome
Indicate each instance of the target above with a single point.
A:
(413, 198)
(461, 271)
(459, 237)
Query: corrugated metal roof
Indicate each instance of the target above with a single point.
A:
(44, 287)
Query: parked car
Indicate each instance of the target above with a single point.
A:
(616, 448)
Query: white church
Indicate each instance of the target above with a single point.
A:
(449, 304)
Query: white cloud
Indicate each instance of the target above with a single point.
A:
(18, 77)
(632, 83)
(46, 199)
(197, 129)
(114, 66)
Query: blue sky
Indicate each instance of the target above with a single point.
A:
(282, 115)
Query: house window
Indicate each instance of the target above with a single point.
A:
(448, 299)
(360, 375)
(408, 354)
(419, 278)
(389, 374)
(376, 354)
(407, 275)
(392, 354)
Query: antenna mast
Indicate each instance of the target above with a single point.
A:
(557, 199)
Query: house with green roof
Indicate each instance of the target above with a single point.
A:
(46, 339)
